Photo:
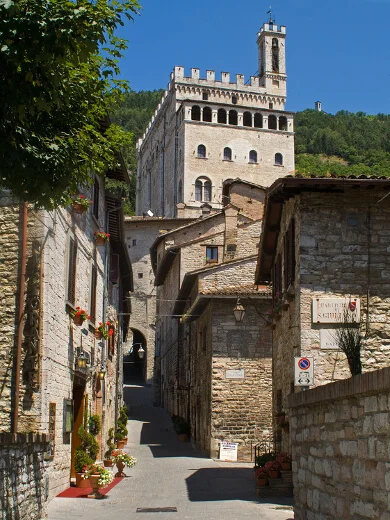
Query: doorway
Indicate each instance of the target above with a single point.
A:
(134, 361)
(80, 404)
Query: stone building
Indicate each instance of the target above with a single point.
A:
(212, 370)
(50, 264)
(206, 130)
(325, 248)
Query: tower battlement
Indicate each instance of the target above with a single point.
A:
(210, 81)
(272, 27)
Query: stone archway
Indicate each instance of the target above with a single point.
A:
(134, 361)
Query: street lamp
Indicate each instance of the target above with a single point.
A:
(82, 359)
(141, 353)
(239, 311)
(102, 373)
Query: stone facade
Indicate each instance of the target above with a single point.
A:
(200, 347)
(340, 250)
(340, 449)
(50, 340)
(207, 130)
(23, 479)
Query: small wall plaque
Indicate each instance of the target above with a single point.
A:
(335, 310)
(235, 374)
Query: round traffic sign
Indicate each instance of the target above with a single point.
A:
(304, 363)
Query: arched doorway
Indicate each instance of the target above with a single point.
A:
(134, 360)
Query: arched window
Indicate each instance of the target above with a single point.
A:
(272, 123)
(275, 55)
(222, 116)
(202, 151)
(195, 113)
(253, 156)
(203, 189)
(258, 120)
(278, 159)
(282, 123)
(207, 114)
(227, 154)
(247, 119)
(233, 120)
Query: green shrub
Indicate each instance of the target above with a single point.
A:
(88, 443)
(261, 460)
(81, 460)
(95, 424)
(110, 444)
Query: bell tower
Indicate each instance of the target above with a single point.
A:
(272, 58)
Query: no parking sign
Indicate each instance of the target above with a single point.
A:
(303, 371)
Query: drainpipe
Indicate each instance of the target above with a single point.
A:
(22, 292)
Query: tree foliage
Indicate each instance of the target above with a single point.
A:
(342, 144)
(133, 114)
(58, 64)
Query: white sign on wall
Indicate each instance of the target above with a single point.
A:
(235, 374)
(303, 371)
(228, 451)
(328, 339)
(333, 310)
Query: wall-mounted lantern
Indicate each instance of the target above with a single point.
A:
(239, 311)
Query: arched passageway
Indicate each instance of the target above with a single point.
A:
(134, 360)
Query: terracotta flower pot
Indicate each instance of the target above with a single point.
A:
(261, 482)
(78, 320)
(120, 473)
(79, 208)
(81, 482)
(120, 444)
(108, 463)
(273, 473)
(93, 482)
(100, 241)
(98, 334)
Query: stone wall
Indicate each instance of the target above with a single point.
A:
(23, 478)
(340, 449)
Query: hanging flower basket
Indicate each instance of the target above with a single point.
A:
(101, 238)
(81, 204)
(79, 316)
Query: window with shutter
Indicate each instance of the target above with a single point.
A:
(92, 305)
(72, 262)
(114, 268)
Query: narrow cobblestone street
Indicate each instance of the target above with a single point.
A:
(172, 474)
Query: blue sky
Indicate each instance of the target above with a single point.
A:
(338, 51)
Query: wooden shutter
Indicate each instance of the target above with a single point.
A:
(72, 262)
(92, 307)
(114, 268)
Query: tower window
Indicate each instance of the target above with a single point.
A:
(195, 113)
(203, 189)
(253, 156)
(233, 120)
(207, 114)
(247, 119)
(271, 106)
(234, 100)
(258, 121)
(278, 159)
(202, 151)
(222, 116)
(275, 55)
(134, 242)
(272, 123)
(283, 123)
(140, 275)
(227, 154)
(205, 96)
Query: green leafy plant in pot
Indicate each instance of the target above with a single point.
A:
(108, 462)
(85, 455)
(121, 429)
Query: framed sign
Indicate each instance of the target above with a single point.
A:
(228, 451)
(52, 429)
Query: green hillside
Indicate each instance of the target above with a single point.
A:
(325, 144)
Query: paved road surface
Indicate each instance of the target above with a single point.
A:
(172, 474)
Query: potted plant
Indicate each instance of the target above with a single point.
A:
(98, 477)
(108, 462)
(101, 330)
(101, 238)
(181, 427)
(95, 424)
(272, 468)
(261, 476)
(262, 459)
(81, 461)
(79, 315)
(121, 430)
(284, 460)
(81, 204)
(121, 460)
